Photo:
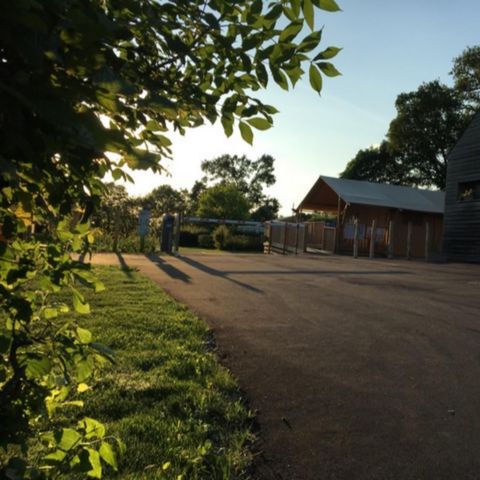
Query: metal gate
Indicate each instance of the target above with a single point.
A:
(285, 237)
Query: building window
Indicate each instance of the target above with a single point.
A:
(469, 191)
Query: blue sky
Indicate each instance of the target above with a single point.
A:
(389, 47)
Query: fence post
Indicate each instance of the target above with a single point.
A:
(427, 241)
(409, 240)
(296, 239)
(177, 233)
(372, 239)
(285, 238)
(355, 238)
(390, 239)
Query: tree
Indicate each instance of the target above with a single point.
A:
(194, 196)
(80, 79)
(428, 123)
(165, 199)
(268, 211)
(466, 75)
(116, 211)
(377, 164)
(223, 201)
(250, 177)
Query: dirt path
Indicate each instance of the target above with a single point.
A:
(359, 369)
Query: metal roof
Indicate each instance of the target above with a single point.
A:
(382, 195)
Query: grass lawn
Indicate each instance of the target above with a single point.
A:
(178, 411)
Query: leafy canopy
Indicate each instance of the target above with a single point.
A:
(249, 176)
(376, 164)
(223, 201)
(466, 75)
(80, 79)
(428, 123)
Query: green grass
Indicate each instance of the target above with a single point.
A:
(178, 411)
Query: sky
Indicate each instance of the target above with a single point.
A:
(389, 47)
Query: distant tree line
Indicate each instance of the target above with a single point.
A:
(232, 187)
(429, 122)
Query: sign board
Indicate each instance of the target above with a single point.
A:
(143, 222)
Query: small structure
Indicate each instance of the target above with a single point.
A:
(462, 201)
(380, 219)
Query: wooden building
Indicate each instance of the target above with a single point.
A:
(462, 200)
(407, 221)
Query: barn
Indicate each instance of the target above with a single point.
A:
(462, 200)
(405, 221)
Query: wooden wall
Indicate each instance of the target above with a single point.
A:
(382, 216)
(462, 216)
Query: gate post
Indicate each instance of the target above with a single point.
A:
(409, 240)
(427, 241)
(390, 239)
(355, 238)
(373, 235)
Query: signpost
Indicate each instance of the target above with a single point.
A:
(143, 226)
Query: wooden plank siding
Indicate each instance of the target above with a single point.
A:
(462, 216)
(382, 216)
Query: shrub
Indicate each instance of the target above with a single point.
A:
(104, 242)
(189, 234)
(245, 242)
(205, 241)
(221, 237)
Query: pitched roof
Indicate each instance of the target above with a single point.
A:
(377, 194)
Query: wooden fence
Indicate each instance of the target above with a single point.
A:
(320, 236)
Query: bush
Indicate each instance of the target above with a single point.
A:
(104, 242)
(189, 234)
(205, 241)
(245, 243)
(221, 237)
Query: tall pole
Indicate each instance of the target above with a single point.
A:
(355, 238)
(409, 240)
(337, 228)
(427, 241)
(373, 235)
(390, 239)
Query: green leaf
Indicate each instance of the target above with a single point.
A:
(82, 387)
(279, 77)
(37, 366)
(328, 69)
(55, 457)
(50, 313)
(84, 335)
(104, 350)
(68, 439)
(330, 52)
(108, 455)
(5, 342)
(259, 123)
(291, 31)
(328, 5)
(308, 13)
(84, 368)
(262, 74)
(95, 463)
(315, 78)
(79, 303)
(310, 42)
(93, 428)
(246, 132)
(227, 123)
